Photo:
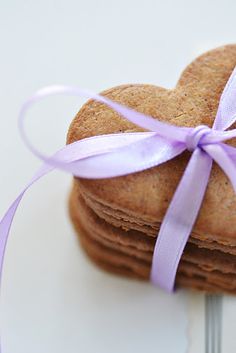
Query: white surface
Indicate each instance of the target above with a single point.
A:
(229, 324)
(196, 323)
(53, 299)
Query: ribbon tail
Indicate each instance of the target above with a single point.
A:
(179, 220)
(66, 155)
(225, 157)
(5, 223)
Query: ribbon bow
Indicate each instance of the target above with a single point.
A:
(114, 155)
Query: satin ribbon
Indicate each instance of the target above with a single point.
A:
(114, 155)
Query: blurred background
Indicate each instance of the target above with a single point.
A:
(53, 299)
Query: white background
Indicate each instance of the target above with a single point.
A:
(53, 299)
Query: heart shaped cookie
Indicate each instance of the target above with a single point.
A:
(118, 219)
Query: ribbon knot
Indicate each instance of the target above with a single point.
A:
(196, 136)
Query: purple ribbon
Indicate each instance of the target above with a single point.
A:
(113, 155)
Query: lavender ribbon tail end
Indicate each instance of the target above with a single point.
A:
(179, 220)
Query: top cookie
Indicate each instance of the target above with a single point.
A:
(194, 101)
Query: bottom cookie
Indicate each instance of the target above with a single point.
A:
(117, 262)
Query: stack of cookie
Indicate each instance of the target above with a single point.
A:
(118, 219)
